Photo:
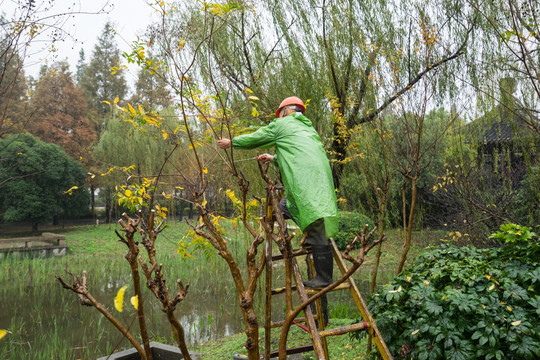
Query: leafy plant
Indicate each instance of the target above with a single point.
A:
(464, 303)
(350, 224)
(512, 233)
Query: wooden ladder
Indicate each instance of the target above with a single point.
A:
(318, 335)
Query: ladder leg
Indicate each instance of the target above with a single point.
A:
(319, 307)
(318, 347)
(268, 308)
(355, 293)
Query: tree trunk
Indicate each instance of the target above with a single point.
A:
(108, 207)
(93, 201)
(34, 228)
(408, 225)
(380, 225)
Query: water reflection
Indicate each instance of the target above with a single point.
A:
(45, 319)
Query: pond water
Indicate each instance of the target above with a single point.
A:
(46, 321)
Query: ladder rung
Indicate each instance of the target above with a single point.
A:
(294, 350)
(342, 286)
(276, 324)
(297, 252)
(311, 291)
(345, 329)
(281, 290)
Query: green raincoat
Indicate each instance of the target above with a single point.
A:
(304, 168)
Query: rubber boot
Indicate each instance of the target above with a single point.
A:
(323, 260)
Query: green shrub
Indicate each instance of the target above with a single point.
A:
(464, 303)
(350, 223)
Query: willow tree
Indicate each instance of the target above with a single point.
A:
(353, 60)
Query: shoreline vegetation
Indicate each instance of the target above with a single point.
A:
(90, 242)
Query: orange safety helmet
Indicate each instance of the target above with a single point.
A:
(293, 100)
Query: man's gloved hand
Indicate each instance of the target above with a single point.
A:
(264, 158)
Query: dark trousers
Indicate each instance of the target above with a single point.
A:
(316, 235)
(316, 232)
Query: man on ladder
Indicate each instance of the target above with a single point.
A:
(309, 189)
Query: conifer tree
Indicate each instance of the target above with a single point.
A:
(98, 81)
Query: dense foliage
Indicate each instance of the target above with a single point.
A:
(350, 224)
(39, 181)
(466, 303)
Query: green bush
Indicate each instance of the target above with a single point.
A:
(350, 223)
(465, 303)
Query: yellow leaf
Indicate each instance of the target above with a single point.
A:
(132, 110)
(181, 43)
(491, 287)
(415, 332)
(70, 190)
(252, 203)
(205, 170)
(179, 187)
(254, 112)
(116, 100)
(254, 98)
(3, 333)
(204, 203)
(509, 308)
(135, 302)
(426, 282)
(164, 133)
(119, 299)
(249, 91)
(458, 234)
(514, 323)
(408, 279)
(106, 102)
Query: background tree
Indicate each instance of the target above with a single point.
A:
(37, 23)
(151, 91)
(99, 82)
(141, 148)
(40, 181)
(12, 90)
(61, 113)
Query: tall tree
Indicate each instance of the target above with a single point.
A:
(151, 91)
(61, 113)
(98, 81)
(81, 65)
(510, 38)
(29, 27)
(40, 181)
(12, 91)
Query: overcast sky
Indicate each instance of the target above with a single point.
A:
(131, 17)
